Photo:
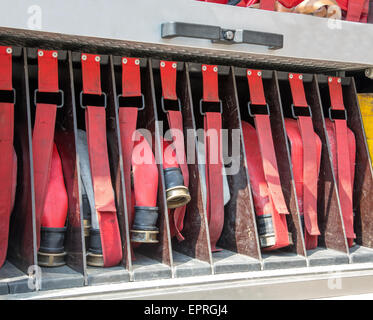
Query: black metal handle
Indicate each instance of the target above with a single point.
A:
(217, 34)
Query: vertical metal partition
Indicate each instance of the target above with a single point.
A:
(294, 255)
(193, 255)
(22, 255)
(149, 261)
(363, 186)
(329, 215)
(115, 151)
(75, 243)
(72, 274)
(239, 233)
(238, 241)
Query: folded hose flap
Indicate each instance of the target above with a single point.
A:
(272, 226)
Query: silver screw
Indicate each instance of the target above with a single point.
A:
(124, 60)
(54, 54)
(174, 65)
(40, 53)
(204, 68)
(229, 35)
(249, 73)
(97, 58)
(163, 64)
(291, 76)
(9, 50)
(259, 74)
(215, 69)
(84, 57)
(339, 80)
(137, 62)
(300, 77)
(330, 79)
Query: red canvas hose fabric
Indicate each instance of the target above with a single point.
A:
(145, 173)
(55, 206)
(99, 164)
(293, 133)
(43, 133)
(131, 87)
(8, 159)
(263, 201)
(262, 141)
(213, 152)
(310, 152)
(355, 10)
(342, 141)
(168, 72)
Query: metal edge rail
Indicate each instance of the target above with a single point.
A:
(301, 283)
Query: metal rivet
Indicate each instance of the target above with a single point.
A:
(259, 74)
(137, 62)
(249, 73)
(291, 76)
(40, 53)
(174, 65)
(339, 80)
(54, 54)
(84, 57)
(97, 58)
(229, 35)
(162, 64)
(9, 50)
(300, 77)
(204, 68)
(215, 69)
(124, 60)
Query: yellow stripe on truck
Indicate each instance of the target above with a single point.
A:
(366, 109)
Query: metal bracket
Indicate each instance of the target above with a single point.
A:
(219, 35)
(253, 114)
(164, 109)
(81, 99)
(339, 111)
(5, 95)
(120, 96)
(301, 108)
(201, 106)
(51, 94)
